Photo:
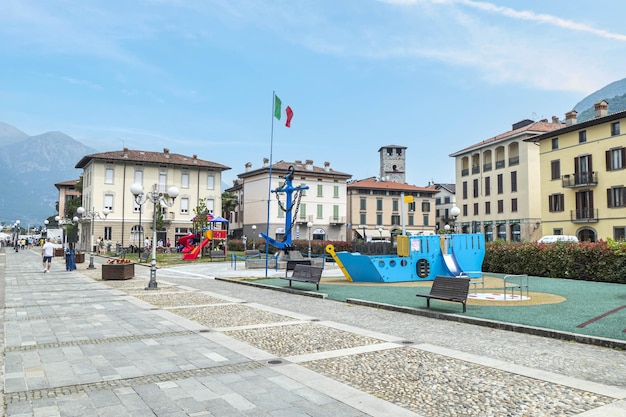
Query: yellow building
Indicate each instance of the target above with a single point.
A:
(582, 177)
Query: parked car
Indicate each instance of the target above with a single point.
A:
(558, 238)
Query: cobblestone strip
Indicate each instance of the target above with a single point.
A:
(96, 341)
(55, 392)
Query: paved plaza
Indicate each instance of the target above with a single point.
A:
(75, 345)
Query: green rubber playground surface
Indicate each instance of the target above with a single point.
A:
(581, 307)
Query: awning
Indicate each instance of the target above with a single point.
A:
(374, 234)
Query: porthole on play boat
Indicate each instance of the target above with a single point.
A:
(422, 268)
(381, 263)
(403, 262)
(392, 262)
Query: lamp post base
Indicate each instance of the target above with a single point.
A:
(152, 285)
(91, 262)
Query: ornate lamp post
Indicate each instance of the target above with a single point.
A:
(308, 225)
(64, 223)
(253, 236)
(454, 212)
(93, 214)
(16, 240)
(156, 197)
(380, 230)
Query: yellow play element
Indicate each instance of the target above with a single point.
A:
(330, 249)
(403, 245)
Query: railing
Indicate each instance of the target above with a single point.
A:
(487, 167)
(476, 170)
(514, 160)
(581, 179)
(587, 215)
(500, 164)
(465, 172)
(336, 219)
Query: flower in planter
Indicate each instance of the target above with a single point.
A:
(118, 261)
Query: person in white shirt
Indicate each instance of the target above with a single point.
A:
(47, 250)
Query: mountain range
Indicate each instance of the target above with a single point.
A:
(30, 166)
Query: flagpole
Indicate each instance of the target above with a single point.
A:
(269, 188)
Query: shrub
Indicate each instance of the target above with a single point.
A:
(598, 261)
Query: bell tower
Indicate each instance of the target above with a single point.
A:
(392, 163)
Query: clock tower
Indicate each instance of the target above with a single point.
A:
(392, 163)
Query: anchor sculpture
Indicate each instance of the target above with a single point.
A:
(292, 204)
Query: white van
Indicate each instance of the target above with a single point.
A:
(558, 238)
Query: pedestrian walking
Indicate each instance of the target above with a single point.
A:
(47, 250)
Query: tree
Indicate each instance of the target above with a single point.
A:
(229, 203)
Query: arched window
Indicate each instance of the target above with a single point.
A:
(319, 234)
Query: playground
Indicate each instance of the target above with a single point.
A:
(578, 307)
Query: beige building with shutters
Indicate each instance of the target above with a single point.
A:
(107, 178)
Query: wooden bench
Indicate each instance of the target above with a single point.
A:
(448, 289)
(291, 264)
(306, 273)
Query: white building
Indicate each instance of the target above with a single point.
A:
(323, 205)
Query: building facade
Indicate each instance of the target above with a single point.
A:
(108, 176)
(497, 184)
(444, 201)
(376, 209)
(583, 177)
(67, 191)
(320, 210)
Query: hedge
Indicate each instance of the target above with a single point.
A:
(603, 261)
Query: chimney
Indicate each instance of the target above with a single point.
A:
(125, 153)
(195, 158)
(570, 117)
(555, 120)
(166, 152)
(265, 162)
(601, 108)
(248, 166)
(326, 166)
(309, 165)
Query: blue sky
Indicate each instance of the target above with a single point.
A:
(197, 76)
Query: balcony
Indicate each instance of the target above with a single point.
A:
(500, 164)
(581, 179)
(464, 172)
(476, 170)
(336, 221)
(514, 160)
(487, 167)
(588, 215)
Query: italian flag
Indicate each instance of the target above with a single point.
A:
(278, 111)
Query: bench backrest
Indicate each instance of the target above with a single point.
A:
(451, 287)
(307, 271)
(145, 256)
(253, 252)
(292, 264)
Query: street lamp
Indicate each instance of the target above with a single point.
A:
(253, 236)
(92, 215)
(308, 225)
(64, 223)
(454, 212)
(156, 197)
(380, 230)
(16, 241)
(45, 229)
(138, 198)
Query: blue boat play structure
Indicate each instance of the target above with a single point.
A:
(419, 258)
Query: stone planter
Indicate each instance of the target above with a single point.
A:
(118, 271)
